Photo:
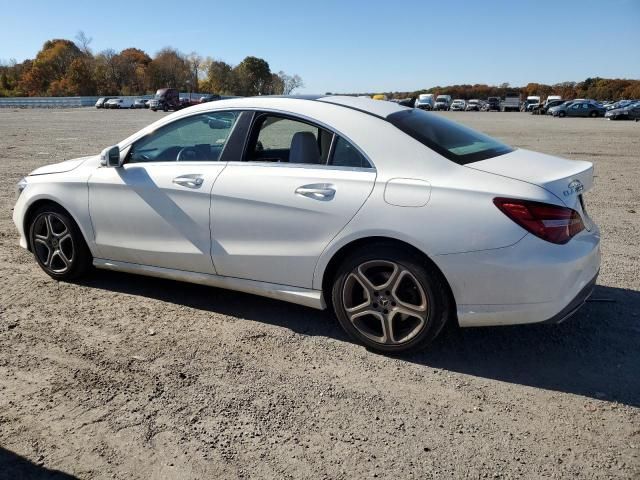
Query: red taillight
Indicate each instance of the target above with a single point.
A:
(552, 223)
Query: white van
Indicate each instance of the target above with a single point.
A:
(443, 102)
(425, 101)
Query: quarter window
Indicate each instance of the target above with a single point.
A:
(346, 155)
(196, 138)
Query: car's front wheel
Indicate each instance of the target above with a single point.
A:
(389, 300)
(58, 244)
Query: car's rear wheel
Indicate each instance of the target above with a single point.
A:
(389, 300)
(593, 114)
(58, 244)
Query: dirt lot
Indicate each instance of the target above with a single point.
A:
(126, 377)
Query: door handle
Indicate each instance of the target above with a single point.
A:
(320, 191)
(191, 181)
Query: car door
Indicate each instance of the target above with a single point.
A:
(296, 188)
(154, 209)
(575, 110)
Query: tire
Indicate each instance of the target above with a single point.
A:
(593, 114)
(402, 292)
(57, 243)
(165, 108)
(562, 114)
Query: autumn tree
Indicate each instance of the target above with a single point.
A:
(131, 65)
(168, 69)
(50, 65)
(220, 78)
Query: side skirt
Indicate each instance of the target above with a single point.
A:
(300, 296)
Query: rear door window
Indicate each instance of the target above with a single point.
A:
(282, 139)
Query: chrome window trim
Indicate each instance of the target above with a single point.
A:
(308, 166)
(265, 110)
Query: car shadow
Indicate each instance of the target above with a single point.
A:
(595, 353)
(15, 467)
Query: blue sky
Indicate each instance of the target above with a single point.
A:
(358, 46)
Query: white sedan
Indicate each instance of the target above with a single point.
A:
(397, 219)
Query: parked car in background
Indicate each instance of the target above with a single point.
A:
(532, 101)
(582, 108)
(405, 102)
(552, 98)
(425, 101)
(101, 102)
(443, 102)
(618, 104)
(211, 97)
(628, 112)
(511, 103)
(550, 103)
(555, 108)
(119, 103)
(459, 105)
(474, 105)
(140, 103)
(166, 99)
(493, 104)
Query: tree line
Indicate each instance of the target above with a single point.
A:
(594, 88)
(66, 68)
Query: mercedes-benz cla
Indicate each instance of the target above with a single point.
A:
(396, 219)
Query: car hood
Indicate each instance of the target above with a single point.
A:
(65, 166)
(564, 178)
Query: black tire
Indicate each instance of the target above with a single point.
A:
(61, 223)
(562, 114)
(165, 108)
(436, 298)
(593, 114)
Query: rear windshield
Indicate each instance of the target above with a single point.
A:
(458, 143)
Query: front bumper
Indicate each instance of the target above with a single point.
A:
(529, 282)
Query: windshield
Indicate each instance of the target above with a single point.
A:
(456, 142)
(441, 99)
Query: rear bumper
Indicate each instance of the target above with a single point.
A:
(575, 304)
(530, 282)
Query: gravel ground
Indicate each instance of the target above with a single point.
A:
(127, 377)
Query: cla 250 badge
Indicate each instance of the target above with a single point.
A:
(575, 186)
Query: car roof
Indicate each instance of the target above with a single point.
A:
(377, 108)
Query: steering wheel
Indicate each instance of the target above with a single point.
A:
(187, 154)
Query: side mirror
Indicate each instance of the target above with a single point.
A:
(110, 157)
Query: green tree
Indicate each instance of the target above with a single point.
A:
(253, 77)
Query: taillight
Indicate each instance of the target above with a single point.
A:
(552, 223)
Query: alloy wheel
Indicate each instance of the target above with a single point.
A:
(53, 243)
(385, 302)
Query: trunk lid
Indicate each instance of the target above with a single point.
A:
(566, 179)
